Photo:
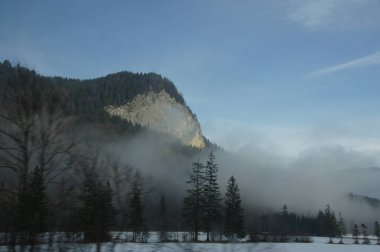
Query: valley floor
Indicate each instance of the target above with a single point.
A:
(318, 245)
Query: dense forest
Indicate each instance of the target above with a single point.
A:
(86, 99)
(53, 180)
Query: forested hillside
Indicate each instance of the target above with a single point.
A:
(86, 99)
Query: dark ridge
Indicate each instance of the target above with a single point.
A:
(373, 202)
(85, 99)
(81, 96)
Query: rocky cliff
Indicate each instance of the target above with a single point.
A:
(159, 111)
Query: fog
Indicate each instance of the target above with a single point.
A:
(305, 167)
(306, 183)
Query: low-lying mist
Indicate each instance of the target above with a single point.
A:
(306, 184)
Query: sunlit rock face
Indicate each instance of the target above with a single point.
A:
(163, 113)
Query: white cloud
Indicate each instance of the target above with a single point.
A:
(334, 14)
(284, 143)
(313, 13)
(366, 61)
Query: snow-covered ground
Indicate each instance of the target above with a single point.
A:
(206, 247)
(319, 244)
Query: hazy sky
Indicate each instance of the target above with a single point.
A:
(281, 75)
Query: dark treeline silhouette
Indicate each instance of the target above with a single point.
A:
(374, 202)
(280, 226)
(286, 223)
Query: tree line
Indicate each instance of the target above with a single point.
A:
(280, 226)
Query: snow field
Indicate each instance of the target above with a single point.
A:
(319, 244)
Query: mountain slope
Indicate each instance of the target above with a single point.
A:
(163, 113)
(123, 102)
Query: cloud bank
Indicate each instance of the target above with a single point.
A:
(287, 142)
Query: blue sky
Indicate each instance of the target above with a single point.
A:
(290, 74)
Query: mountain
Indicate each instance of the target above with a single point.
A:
(121, 103)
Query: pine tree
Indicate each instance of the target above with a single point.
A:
(194, 201)
(341, 227)
(212, 195)
(331, 225)
(376, 231)
(96, 212)
(284, 210)
(234, 214)
(365, 234)
(284, 217)
(106, 208)
(355, 234)
(87, 214)
(136, 211)
(320, 223)
(39, 202)
(163, 221)
(32, 210)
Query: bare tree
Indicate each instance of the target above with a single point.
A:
(17, 130)
(32, 139)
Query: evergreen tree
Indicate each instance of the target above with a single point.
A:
(96, 212)
(106, 208)
(212, 195)
(331, 225)
(320, 224)
(341, 227)
(194, 200)
(284, 219)
(87, 212)
(376, 231)
(31, 217)
(284, 210)
(136, 212)
(355, 234)
(38, 202)
(163, 221)
(365, 234)
(234, 214)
